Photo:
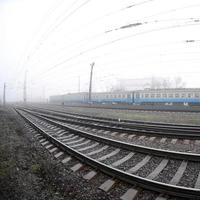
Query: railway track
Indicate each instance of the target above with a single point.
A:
(174, 130)
(158, 170)
(148, 108)
(160, 140)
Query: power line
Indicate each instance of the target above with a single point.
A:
(52, 29)
(109, 14)
(133, 24)
(117, 40)
(49, 12)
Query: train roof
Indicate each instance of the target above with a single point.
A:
(171, 90)
(145, 90)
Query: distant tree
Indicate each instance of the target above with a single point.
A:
(166, 83)
(155, 83)
(117, 88)
(179, 82)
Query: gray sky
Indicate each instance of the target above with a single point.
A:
(56, 40)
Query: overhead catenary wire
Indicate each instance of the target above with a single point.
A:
(109, 14)
(117, 40)
(25, 56)
(116, 29)
(169, 11)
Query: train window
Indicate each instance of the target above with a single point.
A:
(183, 95)
(177, 95)
(189, 95)
(115, 96)
(158, 95)
(137, 95)
(196, 95)
(146, 95)
(170, 95)
(124, 96)
(164, 95)
(128, 96)
(152, 95)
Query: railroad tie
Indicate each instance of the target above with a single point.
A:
(65, 137)
(49, 146)
(130, 194)
(80, 144)
(107, 185)
(197, 142)
(42, 140)
(122, 135)
(124, 159)
(97, 151)
(88, 147)
(186, 142)
(116, 151)
(53, 150)
(141, 137)
(44, 143)
(76, 167)
(152, 139)
(71, 138)
(75, 141)
(106, 132)
(59, 131)
(114, 133)
(139, 165)
(197, 184)
(163, 140)
(67, 159)
(161, 198)
(61, 134)
(158, 169)
(173, 141)
(131, 136)
(90, 175)
(175, 180)
(59, 154)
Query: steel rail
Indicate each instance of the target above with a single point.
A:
(124, 127)
(182, 127)
(130, 107)
(125, 145)
(119, 174)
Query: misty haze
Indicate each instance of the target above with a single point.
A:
(99, 99)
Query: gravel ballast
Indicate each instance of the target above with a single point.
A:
(28, 171)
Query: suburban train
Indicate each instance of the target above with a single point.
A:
(186, 96)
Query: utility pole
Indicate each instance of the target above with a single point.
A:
(4, 94)
(25, 79)
(43, 91)
(90, 86)
(79, 86)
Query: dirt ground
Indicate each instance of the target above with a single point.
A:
(28, 171)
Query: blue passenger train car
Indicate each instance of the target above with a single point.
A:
(148, 96)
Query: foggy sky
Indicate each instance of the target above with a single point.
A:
(56, 40)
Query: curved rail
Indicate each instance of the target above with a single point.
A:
(157, 130)
(125, 145)
(119, 174)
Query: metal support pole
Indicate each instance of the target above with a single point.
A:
(4, 94)
(25, 77)
(79, 86)
(90, 86)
